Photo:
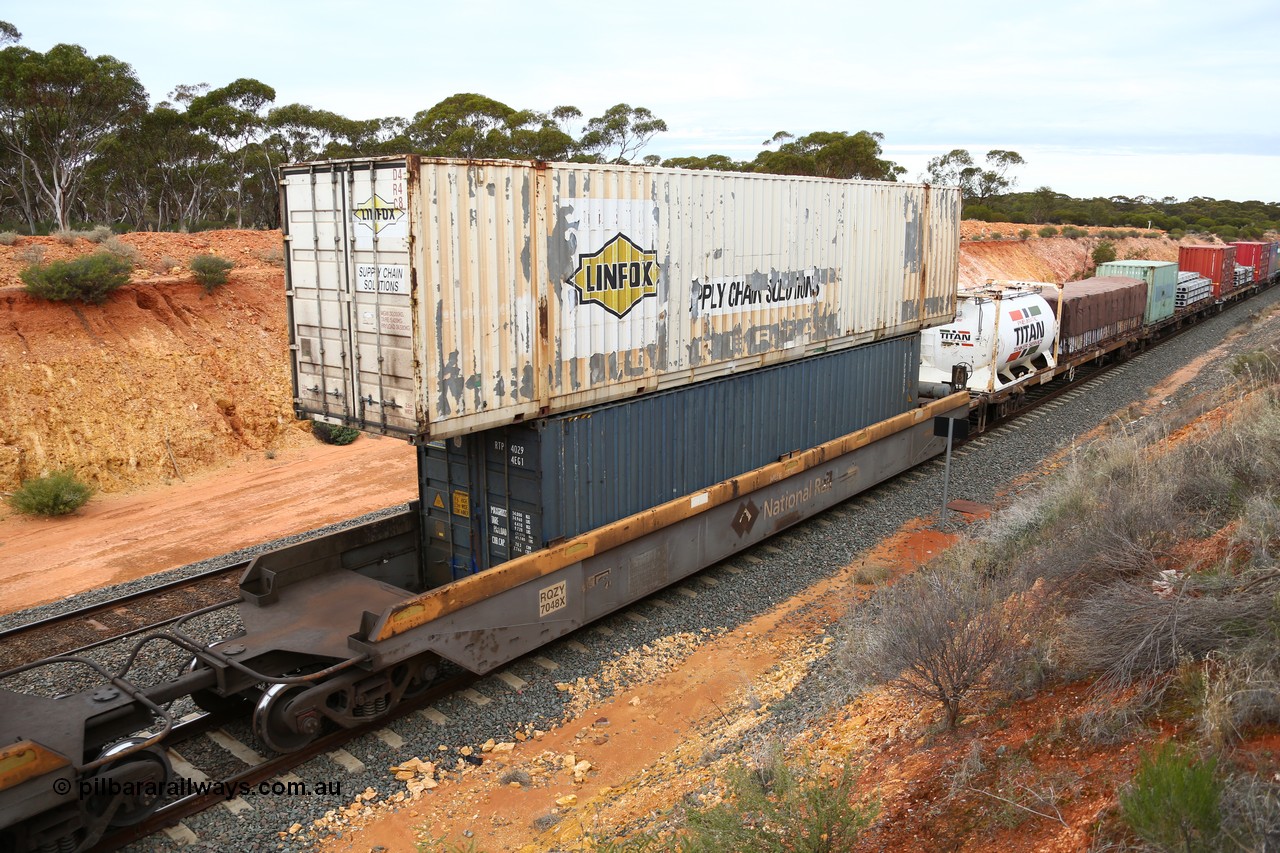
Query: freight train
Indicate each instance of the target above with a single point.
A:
(1009, 337)
(615, 377)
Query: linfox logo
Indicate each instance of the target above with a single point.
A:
(616, 277)
(377, 213)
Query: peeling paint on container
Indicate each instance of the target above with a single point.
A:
(508, 491)
(431, 298)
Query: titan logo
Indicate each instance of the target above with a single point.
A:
(616, 277)
(377, 213)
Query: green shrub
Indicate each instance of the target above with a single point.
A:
(1258, 366)
(330, 434)
(120, 249)
(774, 808)
(1024, 233)
(99, 234)
(996, 235)
(8, 238)
(59, 493)
(1173, 801)
(90, 278)
(1104, 253)
(67, 237)
(211, 271)
(1071, 232)
(1048, 231)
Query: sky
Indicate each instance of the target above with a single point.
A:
(1121, 97)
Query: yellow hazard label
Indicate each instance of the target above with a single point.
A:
(616, 277)
(461, 503)
(438, 503)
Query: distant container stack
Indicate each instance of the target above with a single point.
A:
(491, 496)
(1161, 278)
(1216, 263)
(1192, 288)
(1257, 256)
(1096, 310)
(431, 298)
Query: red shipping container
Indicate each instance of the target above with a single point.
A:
(1256, 255)
(1216, 263)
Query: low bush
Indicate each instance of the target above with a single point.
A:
(90, 278)
(211, 271)
(1104, 253)
(1258, 367)
(944, 634)
(59, 493)
(98, 234)
(8, 238)
(121, 250)
(1024, 233)
(997, 235)
(330, 434)
(1047, 231)
(67, 237)
(1173, 801)
(775, 808)
(1071, 232)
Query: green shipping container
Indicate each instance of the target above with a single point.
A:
(1162, 284)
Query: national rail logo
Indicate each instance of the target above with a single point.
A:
(617, 276)
(377, 213)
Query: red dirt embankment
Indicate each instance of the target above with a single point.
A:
(161, 381)
(1051, 259)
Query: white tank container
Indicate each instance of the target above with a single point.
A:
(1002, 334)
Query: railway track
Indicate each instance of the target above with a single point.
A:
(255, 774)
(77, 631)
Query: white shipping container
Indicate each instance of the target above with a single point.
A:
(431, 298)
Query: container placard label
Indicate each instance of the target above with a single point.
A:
(387, 321)
(552, 598)
(382, 278)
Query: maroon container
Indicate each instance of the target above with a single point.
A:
(1216, 263)
(1256, 255)
(1095, 311)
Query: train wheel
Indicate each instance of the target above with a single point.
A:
(424, 674)
(276, 726)
(147, 772)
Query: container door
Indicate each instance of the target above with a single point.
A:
(347, 229)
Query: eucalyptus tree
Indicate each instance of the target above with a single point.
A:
(233, 117)
(57, 110)
(828, 154)
(620, 134)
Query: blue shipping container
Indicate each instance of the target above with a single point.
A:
(509, 491)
